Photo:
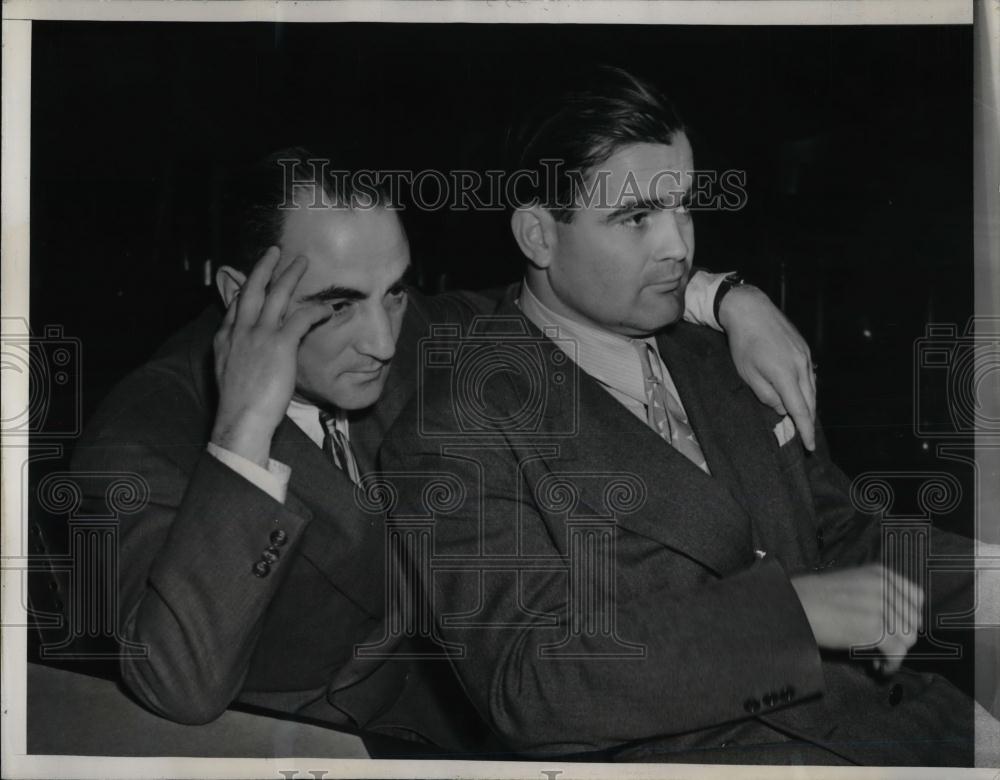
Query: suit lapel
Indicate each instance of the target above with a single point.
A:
(685, 508)
(734, 431)
(338, 526)
(706, 395)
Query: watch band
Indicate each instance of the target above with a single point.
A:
(727, 284)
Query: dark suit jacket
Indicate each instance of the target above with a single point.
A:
(216, 632)
(694, 648)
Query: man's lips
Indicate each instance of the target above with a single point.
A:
(668, 285)
(368, 373)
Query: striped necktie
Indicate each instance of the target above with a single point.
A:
(337, 447)
(663, 412)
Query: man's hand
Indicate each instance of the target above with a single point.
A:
(771, 357)
(255, 357)
(867, 606)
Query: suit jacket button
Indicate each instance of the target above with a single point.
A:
(278, 538)
(261, 569)
(895, 694)
(751, 705)
(819, 539)
(270, 555)
(770, 700)
(787, 694)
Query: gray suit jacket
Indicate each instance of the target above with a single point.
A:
(216, 632)
(693, 646)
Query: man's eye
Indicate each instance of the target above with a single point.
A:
(340, 307)
(638, 219)
(396, 295)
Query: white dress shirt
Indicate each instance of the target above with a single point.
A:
(608, 357)
(274, 479)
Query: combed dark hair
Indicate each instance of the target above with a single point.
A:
(260, 194)
(581, 124)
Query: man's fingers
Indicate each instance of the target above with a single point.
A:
(891, 665)
(253, 292)
(812, 375)
(230, 318)
(305, 319)
(893, 648)
(225, 331)
(798, 409)
(765, 391)
(909, 602)
(280, 292)
(909, 591)
(805, 422)
(806, 385)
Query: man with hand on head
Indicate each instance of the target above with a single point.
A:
(252, 574)
(709, 618)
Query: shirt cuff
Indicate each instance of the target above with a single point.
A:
(699, 298)
(273, 480)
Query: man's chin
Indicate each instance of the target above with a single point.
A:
(360, 393)
(661, 319)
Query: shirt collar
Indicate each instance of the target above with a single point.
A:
(609, 357)
(306, 416)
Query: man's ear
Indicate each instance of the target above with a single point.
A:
(534, 230)
(228, 282)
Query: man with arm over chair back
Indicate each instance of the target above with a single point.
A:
(640, 556)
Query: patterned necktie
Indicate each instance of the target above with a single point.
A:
(663, 412)
(337, 447)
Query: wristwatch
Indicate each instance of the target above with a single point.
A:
(728, 283)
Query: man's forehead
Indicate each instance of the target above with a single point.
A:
(344, 245)
(650, 171)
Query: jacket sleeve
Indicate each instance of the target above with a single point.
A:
(851, 536)
(188, 590)
(696, 650)
(847, 536)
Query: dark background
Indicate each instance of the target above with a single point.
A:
(856, 142)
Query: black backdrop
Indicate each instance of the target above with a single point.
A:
(856, 142)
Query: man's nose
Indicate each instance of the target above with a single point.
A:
(377, 339)
(670, 242)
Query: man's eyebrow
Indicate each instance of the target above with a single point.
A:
(334, 293)
(648, 204)
(643, 204)
(404, 278)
